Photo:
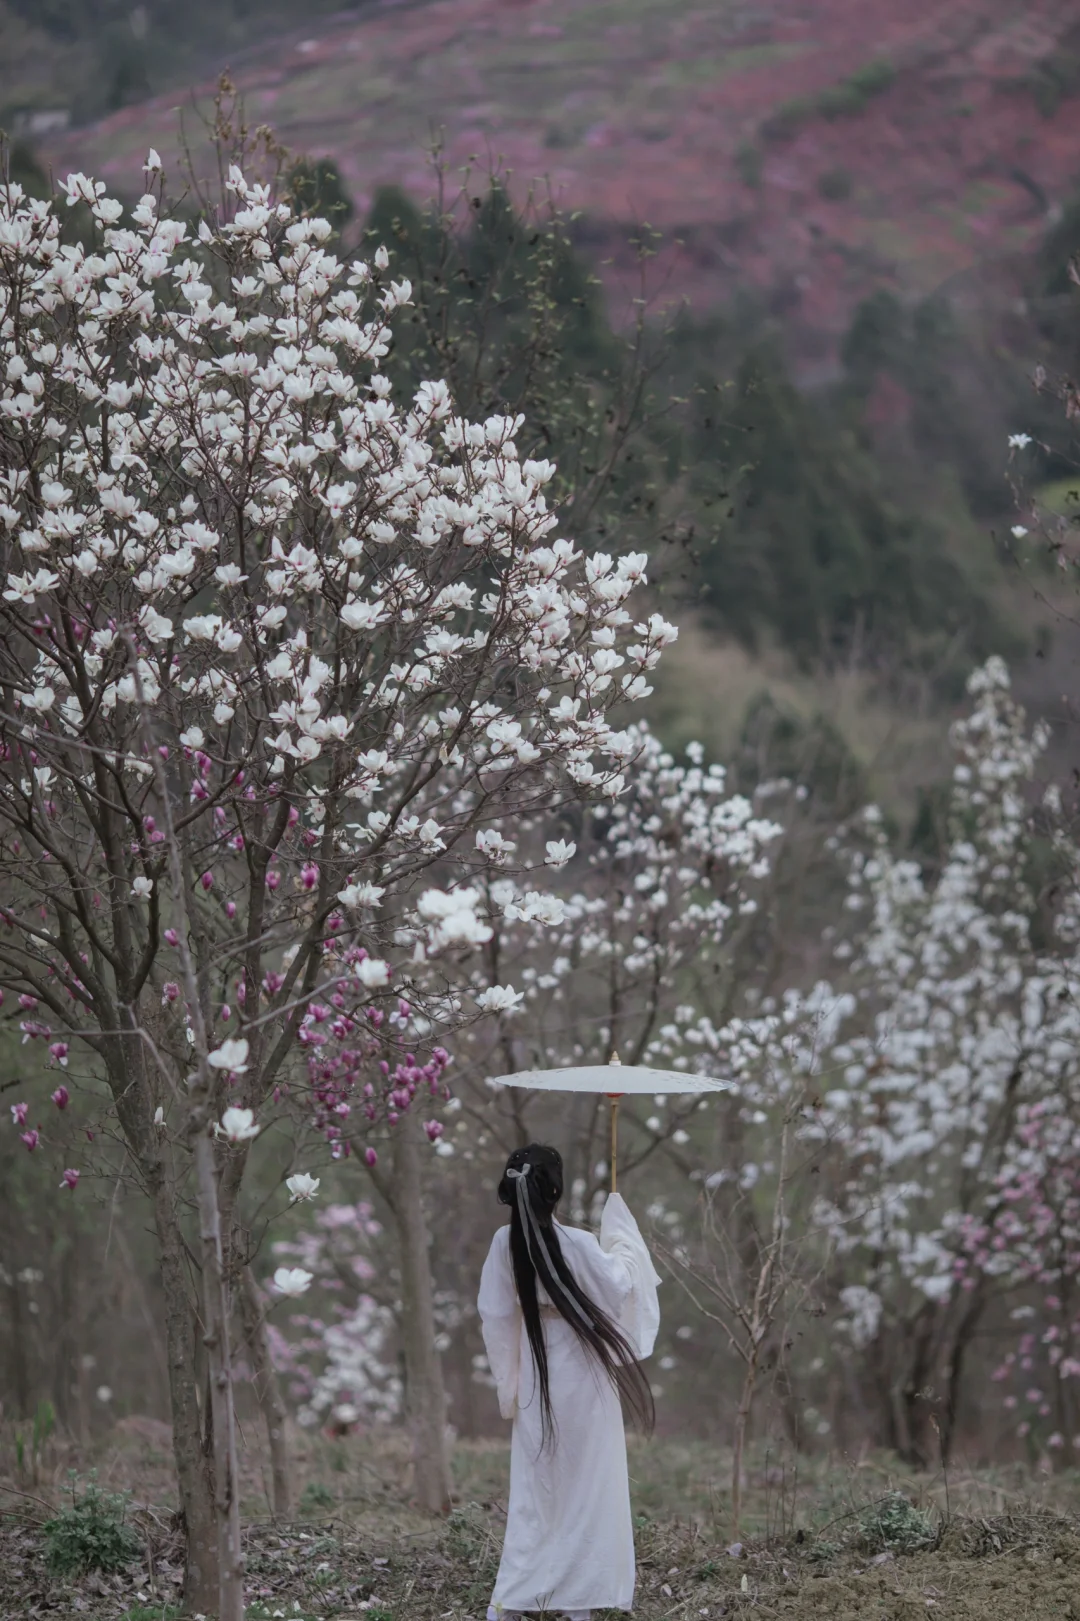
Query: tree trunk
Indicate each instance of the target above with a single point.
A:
(425, 1393)
(191, 1456)
(738, 1449)
(230, 1606)
(267, 1390)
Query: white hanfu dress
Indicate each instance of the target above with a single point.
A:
(569, 1542)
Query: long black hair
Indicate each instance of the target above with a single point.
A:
(535, 1252)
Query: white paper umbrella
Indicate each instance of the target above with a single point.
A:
(614, 1081)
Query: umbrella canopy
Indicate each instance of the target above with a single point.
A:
(614, 1081)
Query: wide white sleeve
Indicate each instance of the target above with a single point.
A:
(639, 1310)
(500, 1322)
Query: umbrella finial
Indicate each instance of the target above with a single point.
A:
(615, 1059)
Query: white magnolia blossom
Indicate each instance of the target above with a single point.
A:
(662, 882)
(302, 1187)
(559, 852)
(358, 1380)
(499, 999)
(863, 1309)
(291, 1281)
(343, 1365)
(238, 1126)
(231, 1055)
(373, 973)
(354, 896)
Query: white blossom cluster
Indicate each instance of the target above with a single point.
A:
(346, 623)
(955, 1023)
(655, 882)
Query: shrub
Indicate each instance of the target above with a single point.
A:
(90, 1534)
(894, 1525)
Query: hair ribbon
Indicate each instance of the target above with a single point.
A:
(529, 1221)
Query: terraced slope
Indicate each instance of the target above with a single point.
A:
(814, 148)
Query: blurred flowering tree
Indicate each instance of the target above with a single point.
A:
(956, 1028)
(275, 649)
(1026, 1242)
(340, 1366)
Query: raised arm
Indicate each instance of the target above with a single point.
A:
(621, 1240)
(616, 1270)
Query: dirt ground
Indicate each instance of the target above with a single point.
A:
(839, 1539)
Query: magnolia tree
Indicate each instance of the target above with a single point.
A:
(276, 649)
(955, 1027)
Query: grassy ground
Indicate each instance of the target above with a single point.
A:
(827, 1538)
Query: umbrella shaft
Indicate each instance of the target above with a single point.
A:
(614, 1141)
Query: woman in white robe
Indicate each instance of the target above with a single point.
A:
(566, 1319)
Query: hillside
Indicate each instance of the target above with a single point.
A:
(813, 151)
